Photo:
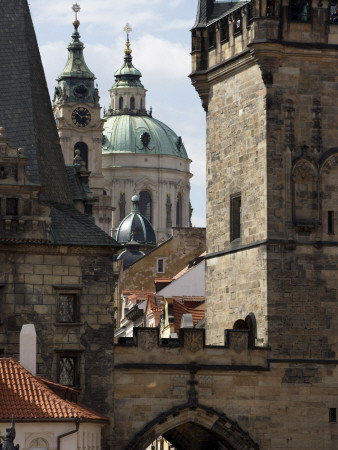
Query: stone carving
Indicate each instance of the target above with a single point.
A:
(178, 386)
(8, 442)
(289, 125)
(205, 386)
(146, 339)
(316, 140)
(193, 340)
(238, 341)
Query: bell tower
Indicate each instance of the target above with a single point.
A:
(267, 75)
(77, 112)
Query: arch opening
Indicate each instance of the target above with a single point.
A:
(83, 147)
(146, 208)
(193, 428)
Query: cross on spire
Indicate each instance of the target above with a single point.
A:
(76, 8)
(127, 29)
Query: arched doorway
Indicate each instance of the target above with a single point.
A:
(191, 427)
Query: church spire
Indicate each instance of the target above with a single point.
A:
(127, 95)
(76, 82)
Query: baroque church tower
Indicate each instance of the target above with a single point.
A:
(143, 156)
(77, 112)
(266, 72)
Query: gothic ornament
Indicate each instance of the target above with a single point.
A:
(316, 140)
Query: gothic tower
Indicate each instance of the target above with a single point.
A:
(77, 112)
(267, 75)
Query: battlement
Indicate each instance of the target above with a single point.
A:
(237, 26)
(146, 348)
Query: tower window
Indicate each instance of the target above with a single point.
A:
(300, 10)
(330, 222)
(121, 103)
(146, 205)
(179, 210)
(83, 147)
(224, 31)
(12, 207)
(235, 217)
(212, 37)
(67, 308)
(132, 103)
(68, 370)
(332, 415)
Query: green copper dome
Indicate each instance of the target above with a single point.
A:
(128, 133)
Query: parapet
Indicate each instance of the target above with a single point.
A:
(147, 348)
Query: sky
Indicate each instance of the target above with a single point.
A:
(161, 44)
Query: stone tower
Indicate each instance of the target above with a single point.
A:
(267, 75)
(77, 112)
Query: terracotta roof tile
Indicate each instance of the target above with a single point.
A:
(197, 313)
(28, 397)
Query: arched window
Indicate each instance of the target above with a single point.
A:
(121, 103)
(132, 103)
(38, 444)
(179, 210)
(141, 104)
(146, 205)
(83, 147)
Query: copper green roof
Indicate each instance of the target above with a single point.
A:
(76, 82)
(128, 75)
(127, 133)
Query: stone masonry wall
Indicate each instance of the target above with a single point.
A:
(30, 279)
(280, 405)
(236, 139)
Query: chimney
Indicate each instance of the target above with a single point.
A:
(28, 348)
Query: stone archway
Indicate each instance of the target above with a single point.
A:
(194, 427)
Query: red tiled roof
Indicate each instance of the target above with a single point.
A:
(197, 313)
(28, 397)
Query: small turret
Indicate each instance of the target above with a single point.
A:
(127, 94)
(76, 82)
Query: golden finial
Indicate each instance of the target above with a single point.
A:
(127, 29)
(76, 8)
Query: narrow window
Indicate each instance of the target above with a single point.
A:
(146, 205)
(83, 147)
(332, 415)
(224, 31)
(160, 265)
(67, 308)
(212, 37)
(12, 207)
(132, 103)
(121, 103)
(179, 210)
(68, 375)
(330, 222)
(235, 217)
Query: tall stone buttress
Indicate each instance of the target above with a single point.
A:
(267, 75)
(77, 112)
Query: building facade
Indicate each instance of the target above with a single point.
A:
(128, 152)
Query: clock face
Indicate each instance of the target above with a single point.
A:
(81, 117)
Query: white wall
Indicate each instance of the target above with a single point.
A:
(191, 283)
(88, 436)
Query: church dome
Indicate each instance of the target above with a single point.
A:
(128, 133)
(135, 229)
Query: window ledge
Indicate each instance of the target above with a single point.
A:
(67, 324)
